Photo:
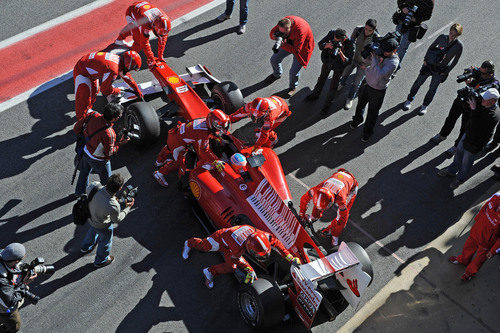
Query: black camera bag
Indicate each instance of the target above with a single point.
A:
(81, 207)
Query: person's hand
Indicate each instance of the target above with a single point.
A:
(250, 277)
(472, 103)
(130, 203)
(30, 278)
(405, 10)
(329, 45)
(425, 63)
(293, 260)
(151, 63)
(219, 165)
(362, 67)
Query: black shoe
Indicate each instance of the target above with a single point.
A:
(106, 263)
(312, 96)
(355, 124)
(271, 78)
(365, 137)
(495, 168)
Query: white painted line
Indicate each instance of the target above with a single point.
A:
(54, 22)
(395, 256)
(68, 75)
(431, 36)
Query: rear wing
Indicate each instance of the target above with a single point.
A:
(197, 74)
(348, 272)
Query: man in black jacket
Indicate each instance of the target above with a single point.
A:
(478, 131)
(337, 52)
(409, 33)
(12, 288)
(441, 57)
(485, 75)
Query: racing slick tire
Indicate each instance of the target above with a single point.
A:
(227, 97)
(143, 115)
(261, 303)
(363, 258)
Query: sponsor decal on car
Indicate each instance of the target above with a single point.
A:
(173, 79)
(243, 187)
(195, 188)
(182, 89)
(274, 213)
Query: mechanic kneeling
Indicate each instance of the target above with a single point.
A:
(12, 286)
(233, 243)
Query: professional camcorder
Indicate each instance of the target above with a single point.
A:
(278, 41)
(467, 92)
(374, 46)
(35, 267)
(469, 73)
(337, 46)
(128, 194)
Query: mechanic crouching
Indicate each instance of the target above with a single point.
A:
(233, 243)
(269, 113)
(338, 191)
(13, 287)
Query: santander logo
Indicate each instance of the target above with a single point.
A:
(353, 285)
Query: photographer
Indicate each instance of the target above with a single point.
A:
(361, 37)
(337, 52)
(411, 29)
(101, 145)
(104, 211)
(293, 35)
(378, 76)
(12, 286)
(437, 64)
(477, 77)
(478, 131)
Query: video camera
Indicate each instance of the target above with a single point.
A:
(35, 267)
(467, 92)
(279, 40)
(405, 26)
(128, 194)
(374, 46)
(337, 46)
(468, 73)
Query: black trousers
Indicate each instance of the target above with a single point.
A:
(374, 98)
(458, 108)
(334, 83)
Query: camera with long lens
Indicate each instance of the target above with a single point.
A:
(128, 194)
(337, 46)
(374, 46)
(467, 92)
(37, 266)
(469, 73)
(278, 41)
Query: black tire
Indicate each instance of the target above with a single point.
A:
(363, 258)
(261, 304)
(227, 97)
(143, 115)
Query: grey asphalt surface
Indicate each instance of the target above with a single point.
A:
(401, 201)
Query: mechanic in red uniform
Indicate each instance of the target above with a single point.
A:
(142, 18)
(270, 112)
(340, 191)
(484, 238)
(195, 133)
(97, 71)
(233, 243)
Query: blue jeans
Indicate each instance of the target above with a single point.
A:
(276, 60)
(462, 162)
(243, 10)
(356, 83)
(87, 164)
(403, 44)
(103, 238)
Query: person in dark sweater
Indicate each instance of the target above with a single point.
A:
(441, 57)
(478, 131)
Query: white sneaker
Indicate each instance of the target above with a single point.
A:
(407, 105)
(160, 178)
(242, 29)
(185, 251)
(160, 164)
(423, 110)
(348, 104)
(222, 17)
(209, 278)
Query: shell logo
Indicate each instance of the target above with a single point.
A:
(173, 80)
(195, 188)
(147, 6)
(100, 53)
(340, 176)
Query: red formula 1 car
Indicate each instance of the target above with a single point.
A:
(319, 289)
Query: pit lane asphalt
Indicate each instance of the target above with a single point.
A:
(401, 201)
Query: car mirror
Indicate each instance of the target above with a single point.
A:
(256, 160)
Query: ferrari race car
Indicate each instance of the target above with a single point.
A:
(327, 281)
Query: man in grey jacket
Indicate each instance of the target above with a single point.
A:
(377, 79)
(442, 55)
(361, 36)
(104, 211)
